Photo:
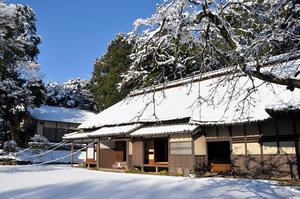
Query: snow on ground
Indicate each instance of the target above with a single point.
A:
(62, 181)
(43, 156)
(39, 156)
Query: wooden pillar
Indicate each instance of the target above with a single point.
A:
(261, 147)
(193, 153)
(72, 150)
(245, 138)
(127, 153)
(231, 155)
(98, 154)
(277, 135)
(230, 130)
(296, 145)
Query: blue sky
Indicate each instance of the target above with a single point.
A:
(75, 33)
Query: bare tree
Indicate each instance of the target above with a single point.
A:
(245, 34)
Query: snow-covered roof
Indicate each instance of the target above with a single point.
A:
(115, 130)
(60, 114)
(285, 101)
(77, 135)
(104, 131)
(164, 129)
(236, 101)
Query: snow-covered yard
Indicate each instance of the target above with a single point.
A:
(64, 182)
(36, 156)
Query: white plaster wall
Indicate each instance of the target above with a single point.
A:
(200, 146)
(238, 149)
(287, 147)
(253, 148)
(270, 148)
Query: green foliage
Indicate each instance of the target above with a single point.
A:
(107, 73)
(20, 84)
(163, 173)
(135, 171)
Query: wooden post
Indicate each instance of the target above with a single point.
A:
(193, 153)
(245, 138)
(127, 153)
(261, 147)
(296, 145)
(277, 135)
(98, 154)
(72, 150)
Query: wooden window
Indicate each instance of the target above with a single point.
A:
(62, 125)
(181, 148)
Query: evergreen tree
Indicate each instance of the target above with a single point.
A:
(74, 93)
(107, 73)
(20, 82)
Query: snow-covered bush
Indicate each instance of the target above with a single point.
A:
(39, 141)
(10, 146)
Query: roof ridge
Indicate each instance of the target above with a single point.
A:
(211, 74)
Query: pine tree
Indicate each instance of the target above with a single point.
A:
(20, 81)
(107, 73)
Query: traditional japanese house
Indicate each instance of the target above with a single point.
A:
(244, 126)
(53, 122)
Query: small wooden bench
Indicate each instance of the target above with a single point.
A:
(90, 162)
(220, 168)
(156, 166)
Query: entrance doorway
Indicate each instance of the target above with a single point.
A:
(161, 150)
(156, 151)
(219, 156)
